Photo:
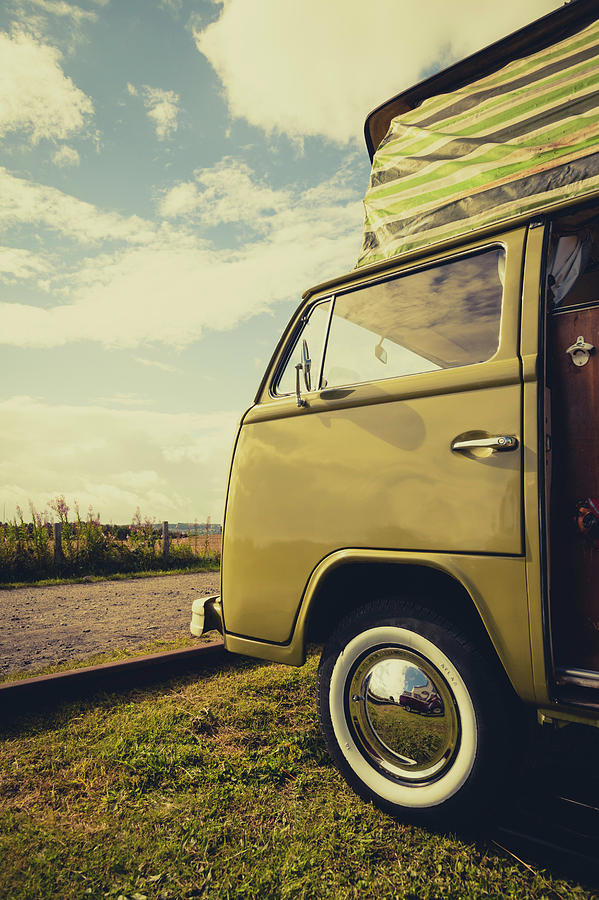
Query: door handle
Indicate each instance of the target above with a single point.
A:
(497, 442)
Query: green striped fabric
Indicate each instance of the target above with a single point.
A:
(505, 145)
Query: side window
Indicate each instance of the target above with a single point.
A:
(314, 332)
(436, 318)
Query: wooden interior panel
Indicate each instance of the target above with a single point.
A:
(574, 586)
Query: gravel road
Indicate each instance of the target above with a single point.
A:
(47, 625)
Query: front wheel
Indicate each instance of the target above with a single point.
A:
(383, 668)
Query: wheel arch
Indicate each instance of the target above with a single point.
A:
(349, 579)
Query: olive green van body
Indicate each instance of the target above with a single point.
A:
(367, 476)
(363, 479)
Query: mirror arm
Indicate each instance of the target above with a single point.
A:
(300, 401)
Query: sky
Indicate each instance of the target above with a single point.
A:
(173, 175)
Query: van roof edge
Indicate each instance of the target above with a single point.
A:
(540, 33)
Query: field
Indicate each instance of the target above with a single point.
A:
(200, 543)
(86, 546)
(217, 786)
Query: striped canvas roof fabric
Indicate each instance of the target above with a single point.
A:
(508, 144)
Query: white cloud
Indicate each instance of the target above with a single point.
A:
(66, 156)
(156, 364)
(57, 22)
(162, 108)
(64, 10)
(25, 202)
(124, 399)
(36, 97)
(227, 192)
(140, 480)
(173, 6)
(315, 68)
(173, 289)
(17, 263)
(178, 461)
(180, 200)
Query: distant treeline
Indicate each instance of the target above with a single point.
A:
(183, 529)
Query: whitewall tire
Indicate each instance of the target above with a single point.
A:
(408, 708)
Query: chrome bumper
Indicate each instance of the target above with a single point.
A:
(206, 615)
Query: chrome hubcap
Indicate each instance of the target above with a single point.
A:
(403, 714)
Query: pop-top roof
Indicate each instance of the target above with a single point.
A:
(506, 131)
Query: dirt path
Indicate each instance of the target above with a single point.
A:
(46, 625)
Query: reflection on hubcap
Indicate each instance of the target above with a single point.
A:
(403, 714)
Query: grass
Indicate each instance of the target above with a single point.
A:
(118, 576)
(216, 786)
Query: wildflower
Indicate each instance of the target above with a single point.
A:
(59, 506)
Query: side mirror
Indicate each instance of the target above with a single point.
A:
(303, 366)
(380, 352)
(306, 365)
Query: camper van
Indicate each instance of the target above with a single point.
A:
(416, 486)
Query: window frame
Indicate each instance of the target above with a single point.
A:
(331, 297)
(293, 341)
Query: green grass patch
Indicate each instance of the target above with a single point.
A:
(216, 786)
(207, 566)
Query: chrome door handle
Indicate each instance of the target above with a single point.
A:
(497, 442)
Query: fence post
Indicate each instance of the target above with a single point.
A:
(165, 541)
(58, 557)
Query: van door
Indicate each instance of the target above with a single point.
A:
(409, 439)
(572, 380)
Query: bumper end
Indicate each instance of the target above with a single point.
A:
(206, 615)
